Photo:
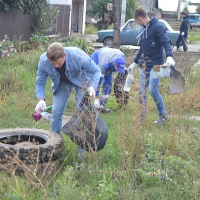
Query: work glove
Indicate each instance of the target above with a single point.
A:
(96, 103)
(182, 33)
(41, 106)
(91, 92)
(132, 67)
(170, 61)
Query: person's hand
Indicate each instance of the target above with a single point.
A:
(96, 103)
(41, 106)
(170, 61)
(182, 33)
(132, 67)
(91, 92)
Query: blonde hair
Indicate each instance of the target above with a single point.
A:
(55, 51)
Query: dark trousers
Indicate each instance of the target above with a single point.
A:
(180, 39)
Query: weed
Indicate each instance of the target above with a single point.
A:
(91, 29)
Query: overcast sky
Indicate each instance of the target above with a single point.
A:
(168, 5)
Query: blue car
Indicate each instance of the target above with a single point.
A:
(194, 20)
(130, 31)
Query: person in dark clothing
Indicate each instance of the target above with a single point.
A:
(183, 29)
(152, 40)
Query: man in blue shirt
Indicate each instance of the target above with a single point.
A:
(68, 68)
(108, 60)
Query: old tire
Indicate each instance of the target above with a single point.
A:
(108, 42)
(46, 148)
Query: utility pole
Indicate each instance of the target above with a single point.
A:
(179, 8)
(117, 14)
(123, 13)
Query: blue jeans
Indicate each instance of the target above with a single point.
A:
(60, 99)
(147, 82)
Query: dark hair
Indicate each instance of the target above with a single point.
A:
(139, 13)
(183, 13)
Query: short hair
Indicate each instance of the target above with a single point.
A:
(55, 51)
(183, 13)
(139, 13)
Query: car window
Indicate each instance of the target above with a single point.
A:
(132, 25)
(191, 17)
(163, 25)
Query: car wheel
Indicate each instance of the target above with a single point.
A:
(108, 42)
(29, 145)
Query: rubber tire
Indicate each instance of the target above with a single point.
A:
(108, 42)
(29, 154)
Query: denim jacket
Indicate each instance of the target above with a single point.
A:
(79, 69)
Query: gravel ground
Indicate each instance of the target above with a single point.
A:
(184, 60)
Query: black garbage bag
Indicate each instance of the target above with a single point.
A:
(86, 127)
(183, 43)
(177, 82)
(122, 97)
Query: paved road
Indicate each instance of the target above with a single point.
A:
(191, 47)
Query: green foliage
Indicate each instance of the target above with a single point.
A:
(130, 7)
(27, 6)
(38, 38)
(198, 9)
(46, 20)
(91, 29)
(81, 43)
(7, 48)
(186, 10)
(111, 26)
(98, 9)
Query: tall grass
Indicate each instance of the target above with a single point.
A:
(91, 29)
(139, 161)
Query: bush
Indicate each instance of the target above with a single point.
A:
(81, 43)
(91, 29)
(7, 48)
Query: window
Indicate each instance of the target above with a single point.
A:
(132, 25)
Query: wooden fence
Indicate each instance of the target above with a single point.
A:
(14, 23)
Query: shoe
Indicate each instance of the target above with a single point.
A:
(81, 153)
(104, 110)
(162, 119)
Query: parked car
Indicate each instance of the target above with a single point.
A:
(130, 31)
(194, 20)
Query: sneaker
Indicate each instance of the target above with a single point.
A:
(104, 110)
(162, 119)
(81, 153)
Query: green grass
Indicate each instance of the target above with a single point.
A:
(91, 30)
(194, 37)
(120, 170)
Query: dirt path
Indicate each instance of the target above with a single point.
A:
(184, 60)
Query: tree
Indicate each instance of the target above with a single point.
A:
(186, 10)
(98, 9)
(27, 6)
(198, 9)
(130, 7)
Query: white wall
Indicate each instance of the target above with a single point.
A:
(60, 2)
